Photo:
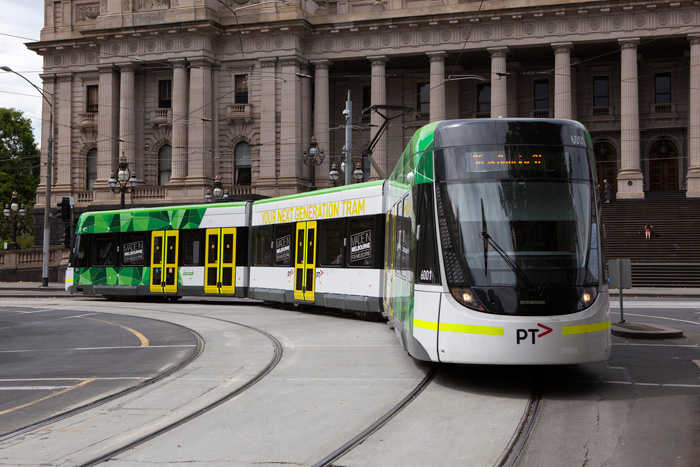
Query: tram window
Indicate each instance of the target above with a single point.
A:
(427, 269)
(193, 244)
(78, 255)
(133, 249)
(407, 237)
(361, 242)
(262, 244)
(331, 236)
(241, 246)
(284, 235)
(104, 250)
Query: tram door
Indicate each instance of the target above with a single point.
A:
(220, 266)
(305, 266)
(164, 246)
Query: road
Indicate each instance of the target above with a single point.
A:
(331, 377)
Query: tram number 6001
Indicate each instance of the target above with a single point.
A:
(426, 275)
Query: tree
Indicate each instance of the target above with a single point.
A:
(19, 166)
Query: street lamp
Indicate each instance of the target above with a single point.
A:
(49, 173)
(14, 212)
(125, 182)
(334, 175)
(218, 193)
(313, 156)
(358, 173)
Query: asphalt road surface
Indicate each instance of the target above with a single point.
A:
(335, 376)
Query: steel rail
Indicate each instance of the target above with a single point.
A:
(366, 433)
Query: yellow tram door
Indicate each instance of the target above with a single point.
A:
(305, 266)
(164, 271)
(220, 264)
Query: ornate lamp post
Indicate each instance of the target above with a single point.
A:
(125, 182)
(14, 212)
(313, 156)
(218, 193)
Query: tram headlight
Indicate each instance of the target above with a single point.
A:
(588, 296)
(466, 297)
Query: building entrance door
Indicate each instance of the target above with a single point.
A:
(663, 166)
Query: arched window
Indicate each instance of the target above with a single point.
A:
(165, 164)
(242, 164)
(91, 169)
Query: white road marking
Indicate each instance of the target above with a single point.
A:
(76, 349)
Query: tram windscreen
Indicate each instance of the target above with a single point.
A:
(519, 214)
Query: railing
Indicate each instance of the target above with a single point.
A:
(541, 113)
(422, 117)
(663, 108)
(161, 116)
(33, 257)
(241, 190)
(601, 111)
(84, 197)
(87, 120)
(149, 192)
(236, 112)
(482, 114)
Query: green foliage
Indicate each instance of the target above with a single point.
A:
(19, 158)
(19, 170)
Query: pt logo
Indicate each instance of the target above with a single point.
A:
(522, 334)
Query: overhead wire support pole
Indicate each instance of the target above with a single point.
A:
(348, 139)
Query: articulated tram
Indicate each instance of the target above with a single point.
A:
(483, 246)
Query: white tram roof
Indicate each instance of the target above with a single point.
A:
(361, 199)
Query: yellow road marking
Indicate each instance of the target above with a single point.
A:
(585, 328)
(141, 337)
(28, 404)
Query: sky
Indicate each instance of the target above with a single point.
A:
(22, 18)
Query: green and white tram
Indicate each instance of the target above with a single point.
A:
(320, 248)
(493, 244)
(163, 252)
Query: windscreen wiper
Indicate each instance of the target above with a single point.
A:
(506, 257)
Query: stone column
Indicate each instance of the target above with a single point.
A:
(562, 79)
(268, 128)
(62, 144)
(180, 106)
(199, 166)
(127, 117)
(437, 86)
(107, 124)
(290, 127)
(630, 181)
(378, 98)
(499, 82)
(322, 117)
(693, 180)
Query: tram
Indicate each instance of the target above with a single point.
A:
(483, 246)
(169, 252)
(493, 244)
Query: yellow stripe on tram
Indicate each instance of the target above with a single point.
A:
(463, 328)
(585, 328)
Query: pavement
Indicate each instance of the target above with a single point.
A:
(626, 329)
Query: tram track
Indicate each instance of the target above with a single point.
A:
(525, 426)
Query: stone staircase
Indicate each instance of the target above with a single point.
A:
(672, 257)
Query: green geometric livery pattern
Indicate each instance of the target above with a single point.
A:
(112, 276)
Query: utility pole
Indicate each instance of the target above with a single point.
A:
(348, 139)
(47, 226)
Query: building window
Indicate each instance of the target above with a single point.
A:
(541, 95)
(165, 93)
(423, 93)
(91, 170)
(483, 98)
(242, 164)
(241, 96)
(92, 95)
(663, 88)
(165, 164)
(601, 91)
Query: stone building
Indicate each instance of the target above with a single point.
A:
(187, 90)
